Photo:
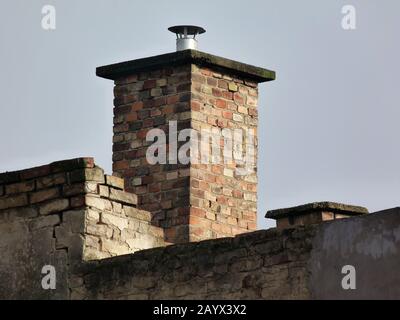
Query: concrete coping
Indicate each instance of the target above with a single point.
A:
(326, 206)
(118, 70)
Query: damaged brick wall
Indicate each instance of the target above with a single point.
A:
(62, 214)
(258, 265)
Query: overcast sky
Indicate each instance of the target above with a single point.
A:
(329, 124)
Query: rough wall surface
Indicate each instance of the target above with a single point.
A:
(371, 244)
(62, 214)
(144, 101)
(300, 263)
(223, 196)
(69, 215)
(257, 265)
(191, 202)
(73, 217)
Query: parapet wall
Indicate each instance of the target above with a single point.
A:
(62, 214)
(301, 263)
(71, 216)
(257, 265)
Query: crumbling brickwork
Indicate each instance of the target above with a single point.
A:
(257, 265)
(71, 216)
(62, 214)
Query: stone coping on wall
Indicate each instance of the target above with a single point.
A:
(317, 206)
(118, 70)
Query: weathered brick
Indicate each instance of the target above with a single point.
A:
(35, 172)
(20, 187)
(54, 206)
(196, 97)
(113, 220)
(104, 191)
(22, 213)
(75, 220)
(100, 230)
(115, 182)
(136, 213)
(114, 247)
(93, 215)
(13, 201)
(44, 195)
(232, 87)
(44, 222)
(50, 181)
(98, 203)
(10, 177)
(123, 196)
(69, 165)
(79, 188)
(91, 174)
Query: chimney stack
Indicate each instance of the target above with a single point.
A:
(162, 101)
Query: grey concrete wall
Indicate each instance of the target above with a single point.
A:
(371, 244)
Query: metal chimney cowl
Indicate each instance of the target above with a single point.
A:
(186, 36)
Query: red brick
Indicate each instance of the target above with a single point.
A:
(198, 78)
(227, 114)
(237, 194)
(251, 226)
(223, 84)
(137, 106)
(149, 84)
(131, 117)
(195, 106)
(220, 103)
(197, 212)
(206, 72)
(216, 92)
(217, 169)
(119, 165)
(212, 82)
(173, 99)
(238, 98)
(253, 112)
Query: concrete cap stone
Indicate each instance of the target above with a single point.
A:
(326, 206)
(119, 70)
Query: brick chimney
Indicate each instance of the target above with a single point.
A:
(313, 213)
(187, 89)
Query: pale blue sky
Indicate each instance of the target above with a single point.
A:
(328, 124)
